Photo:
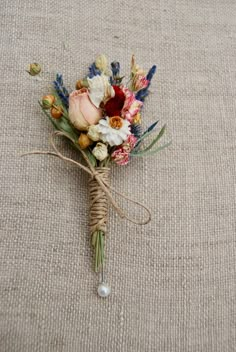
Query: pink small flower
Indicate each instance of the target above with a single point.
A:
(120, 156)
(129, 144)
(139, 82)
(131, 105)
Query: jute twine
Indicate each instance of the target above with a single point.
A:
(98, 201)
(99, 187)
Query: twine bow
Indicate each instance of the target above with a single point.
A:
(107, 189)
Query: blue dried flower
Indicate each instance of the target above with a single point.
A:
(136, 130)
(115, 67)
(151, 73)
(93, 71)
(61, 90)
(143, 93)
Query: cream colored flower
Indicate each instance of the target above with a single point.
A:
(93, 133)
(100, 151)
(101, 63)
(100, 89)
(135, 69)
(114, 130)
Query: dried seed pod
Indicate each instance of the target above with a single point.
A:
(84, 141)
(56, 112)
(34, 69)
(48, 101)
(82, 83)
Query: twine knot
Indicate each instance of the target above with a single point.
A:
(100, 189)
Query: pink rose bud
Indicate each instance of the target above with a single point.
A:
(129, 144)
(82, 112)
(120, 156)
(139, 82)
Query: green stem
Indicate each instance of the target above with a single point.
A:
(99, 252)
(96, 252)
(98, 244)
(94, 238)
(102, 247)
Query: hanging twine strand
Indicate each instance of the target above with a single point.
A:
(100, 190)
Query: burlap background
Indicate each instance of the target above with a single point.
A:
(173, 281)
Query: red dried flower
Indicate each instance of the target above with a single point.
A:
(114, 106)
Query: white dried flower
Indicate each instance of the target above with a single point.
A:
(100, 151)
(100, 89)
(114, 130)
(93, 133)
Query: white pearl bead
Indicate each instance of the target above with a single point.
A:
(104, 290)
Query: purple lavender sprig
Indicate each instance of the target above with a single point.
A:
(136, 130)
(115, 67)
(61, 90)
(115, 79)
(143, 93)
(93, 71)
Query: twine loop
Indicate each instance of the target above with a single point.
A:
(100, 189)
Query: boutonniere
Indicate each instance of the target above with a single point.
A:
(102, 119)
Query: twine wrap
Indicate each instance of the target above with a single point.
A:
(99, 180)
(98, 201)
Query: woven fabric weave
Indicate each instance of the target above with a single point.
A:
(173, 280)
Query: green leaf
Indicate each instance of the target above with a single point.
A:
(152, 152)
(155, 140)
(146, 133)
(49, 116)
(61, 124)
(66, 127)
(91, 157)
(94, 238)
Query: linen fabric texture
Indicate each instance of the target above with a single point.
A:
(173, 280)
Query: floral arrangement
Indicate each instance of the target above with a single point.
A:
(102, 119)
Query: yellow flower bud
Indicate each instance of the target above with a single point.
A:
(84, 141)
(101, 62)
(137, 118)
(48, 101)
(34, 69)
(82, 83)
(135, 69)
